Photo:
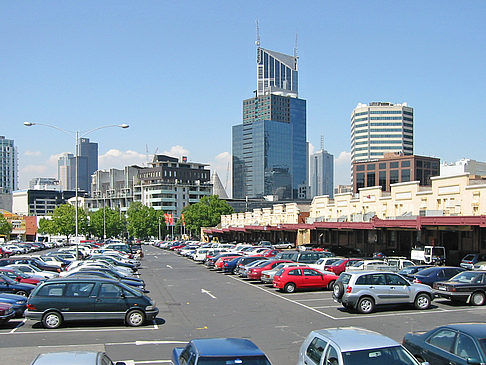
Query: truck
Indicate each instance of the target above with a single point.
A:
(430, 255)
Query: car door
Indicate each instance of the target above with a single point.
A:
(465, 348)
(398, 289)
(312, 278)
(332, 356)
(314, 352)
(111, 301)
(78, 303)
(438, 347)
(379, 288)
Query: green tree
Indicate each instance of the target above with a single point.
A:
(46, 226)
(64, 222)
(143, 222)
(5, 226)
(206, 213)
(114, 223)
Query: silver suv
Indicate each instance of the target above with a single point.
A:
(365, 290)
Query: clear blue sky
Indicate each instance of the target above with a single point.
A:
(177, 72)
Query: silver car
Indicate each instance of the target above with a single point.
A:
(363, 291)
(351, 345)
(74, 358)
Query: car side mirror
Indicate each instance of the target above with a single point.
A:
(122, 295)
(473, 361)
(120, 363)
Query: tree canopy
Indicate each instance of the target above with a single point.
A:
(63, 221)
(5, 226)
(143, 221)
(206, 213)
(114, 223)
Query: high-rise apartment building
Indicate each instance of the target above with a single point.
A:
(87, 165)
(269, 147)
(379, 128)
(321, 173)
(44, 183)
(8, 166)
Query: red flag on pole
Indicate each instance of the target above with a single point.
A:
(171, 219)
(166, 218)
(183, 221)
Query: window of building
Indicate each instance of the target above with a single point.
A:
(405, 163)
(382, 166)
(360, 180)
(371, 166)
(360, 167)
(405, 175)
(427, 164)
(394, 165)
(393, 176)
(418, 163)
(382, 180)
(370, 179)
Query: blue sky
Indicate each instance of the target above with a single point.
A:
(177, 72)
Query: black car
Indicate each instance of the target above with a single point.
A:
(8, 285)
(138, 283)
(452, 344)
(31, 261)
(409, 271)
(436, 273)
(466, 287)
(70, 299)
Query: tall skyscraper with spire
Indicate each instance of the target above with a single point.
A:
(269, 147)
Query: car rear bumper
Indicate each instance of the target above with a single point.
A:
(451, 295)
(7, 316)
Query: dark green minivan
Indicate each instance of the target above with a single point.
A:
(88, 298)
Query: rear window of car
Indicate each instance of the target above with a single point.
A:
(428, 272)
(468, 258)
(344, 278)
(254, 360)
(52, 290)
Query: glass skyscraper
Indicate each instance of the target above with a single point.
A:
(269, 147)
(8, 166)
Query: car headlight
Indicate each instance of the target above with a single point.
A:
(20, 302)
(149, 308)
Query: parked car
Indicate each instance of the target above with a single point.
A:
(74, 358)
(284, 244)
(6, 312)
(267, 275)
(340, 266)
(364, 291)
(8, 285)
(230, 351)
(472, 259)
(18, 302)
(34, 261)
(255, 273)
(243, 271)
(218, 265)
(436, 273)
(70, 299)
(292, 278)
(231, 266)
(356, 346)
(322, 262)
(33, 270)
(19, 276)
(138, 284)
(458, 344)
(465, 287)
(409, 271)
(245, 261)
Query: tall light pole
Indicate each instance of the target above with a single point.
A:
(77, 136)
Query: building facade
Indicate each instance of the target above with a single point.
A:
(381, 127)
(463, 166)
(65, 172)
(172, 184)
(321, 173)
(44, 183)
(269, 147)
(38, 202)
(8, 166)
(392, 169)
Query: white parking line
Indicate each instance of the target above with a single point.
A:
(326, 306)
(19, 325)
(79, 330)
(315, 299)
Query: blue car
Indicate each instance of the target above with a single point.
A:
(230, 265)
(219, 351)
(18, 302)
(8, 285)
(436, 273)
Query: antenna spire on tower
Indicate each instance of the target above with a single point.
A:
(322, 142)
(295, 48)
(257, 34)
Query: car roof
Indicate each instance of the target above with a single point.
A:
(474, 329)
(68, 357)
(355, 339)
(226, 347)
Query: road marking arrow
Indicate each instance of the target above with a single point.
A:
(170, 267)
(204, 291)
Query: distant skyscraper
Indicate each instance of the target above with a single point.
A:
(269, 147)
(379, 128)
(87, 165)
(321, 176)
(8, 166)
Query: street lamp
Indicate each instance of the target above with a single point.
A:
(77, 135)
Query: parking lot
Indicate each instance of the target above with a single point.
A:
(197, 302)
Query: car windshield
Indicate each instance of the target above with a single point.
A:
(427, 272)
(468, 277)
(344, 278)
(254, 360)
(468, 258)
(379, 356)
(358, 264)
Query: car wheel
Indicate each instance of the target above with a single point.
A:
(478, 298)
(422, 301)
(235, 271)
(52, 320)
(366, 305)
(289, 246)
(289, 287)
(330, 285)
(135, 318)
(23, 293)
(338, 290)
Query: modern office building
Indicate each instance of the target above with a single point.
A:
(87, 165)
(172, 184)
(381, 127)
(392, 169)
(38, 202)
(8, 166)
(269, 147)
(321, 173)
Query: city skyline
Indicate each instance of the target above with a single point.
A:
(81, 66)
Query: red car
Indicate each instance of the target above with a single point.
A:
(21, 277)
(340, 266)
(255, 273)
(270, 253)
(218, 265)
(291, 278)
(6, 312)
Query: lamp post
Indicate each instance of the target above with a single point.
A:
(104, 218)
(77, 136)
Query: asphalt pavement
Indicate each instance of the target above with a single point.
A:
(195, 302)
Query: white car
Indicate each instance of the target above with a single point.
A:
(322, 262)
(30, 269)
